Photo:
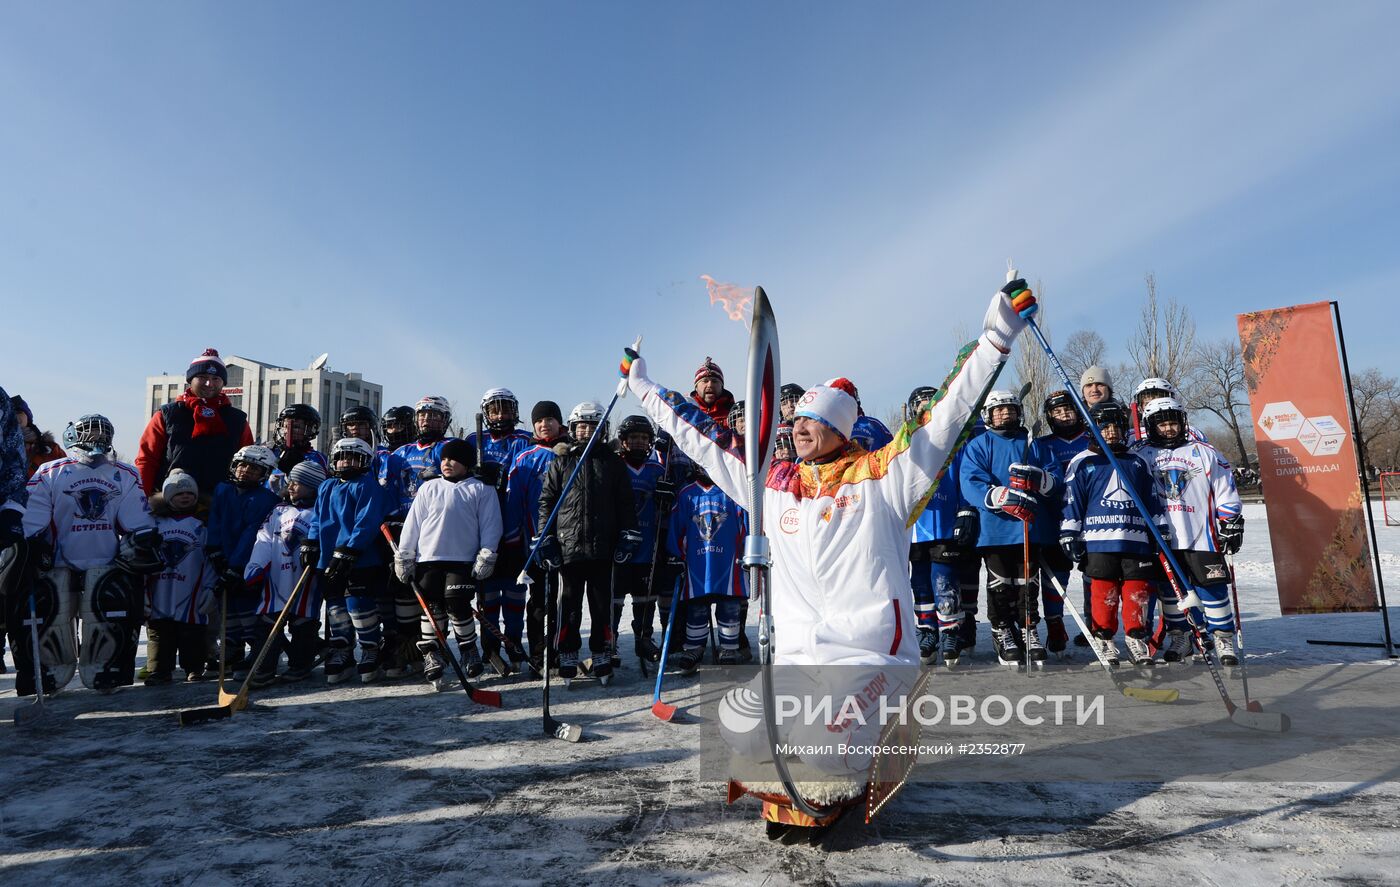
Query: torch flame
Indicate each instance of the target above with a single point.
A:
(736, 301)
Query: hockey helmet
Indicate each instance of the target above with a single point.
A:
(1155, 387)
(919, 400)
(356, 453)
(356, 415)
(1110, 412)
(90, 436)
(256, 455)
(508, 419)
(1001, 398)
(588, 413)
(1054, 401)
(1160, 409)
(736, 415)
(300, 412)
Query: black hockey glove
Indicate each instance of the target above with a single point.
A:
(628, 541)
(1231, 532)
(488, 473)
(41, 552)
(547, 553)
(11, 528)
(139, 553)
(965, 528)
(230, 583)
(310, 553)
(216, 558)
(1073, 547)
(665, 495)
(342, 562)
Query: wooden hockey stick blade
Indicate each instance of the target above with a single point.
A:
(191, 716)
(561, 730)
(1148, 694)
(1263, 721)
(664, 710)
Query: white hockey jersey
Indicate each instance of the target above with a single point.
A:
(451, 521)
(183, 590)
(275, 564)
(85, 509)
(1197, 488)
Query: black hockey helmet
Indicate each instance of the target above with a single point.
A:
(736, 413)
(304, 413)
(918, 400)
(359, 414)
(397, 425)
(1110, 412)
(1053, 401)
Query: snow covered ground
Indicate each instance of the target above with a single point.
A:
(394, 783)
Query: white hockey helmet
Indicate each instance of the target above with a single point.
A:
(1001, 398)
(1153, 384)
(256, 454)
(590, 413)
(1158, 409)
(433, 404)
(360, 454)
(90, 436)
(511, 417)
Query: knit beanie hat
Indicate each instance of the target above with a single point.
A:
(1096, 374)
(709, 368)
(307, 473)
(178, 482)
(459, 450)
(833, 407)
(546, 409)
(208, 362)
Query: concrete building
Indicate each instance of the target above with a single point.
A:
(262, 389)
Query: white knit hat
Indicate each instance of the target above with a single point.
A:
(831, 406)
(178, 482)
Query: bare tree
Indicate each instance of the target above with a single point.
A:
(1218, 387)
(1163, 346)
(1377, 400)
(1083, 349)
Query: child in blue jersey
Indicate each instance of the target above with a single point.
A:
(653, 496)
(240, 506)
(1103, 532)
(1068, 438)
(342, 543)
(179, 597)
(297, 427)
(943, 567)
(432, 416)
(519, 520)
(273, 572)
(1011, 480)
(501, 600)
(707, 531)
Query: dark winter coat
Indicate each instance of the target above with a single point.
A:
(598, 506)
(169, 442)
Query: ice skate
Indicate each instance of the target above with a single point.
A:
(950, 646)
(1056, 639)
(1034, 649)
(928, 646)
(1225, 648)
(1007, 650)
(1139, 652)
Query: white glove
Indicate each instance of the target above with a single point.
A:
(403, 567)
(1002, 322)
(485, 564)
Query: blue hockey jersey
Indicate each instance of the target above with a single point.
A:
(707, 531)
(234, 518)
(644, 478)
(870, 433)
(523, 493)
(424, 462)
(935, 522)
(348, 515)
(986, 460)
(1100, 510)
(395, 478)
(503, 450)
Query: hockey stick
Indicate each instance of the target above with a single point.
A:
(1147, 694)
(1250, 704)
(1254, 720)
(231, 702)
(480, 697)
(656, 547)
(663, 710)
(30, 714)
(523, 578)
(552, 727)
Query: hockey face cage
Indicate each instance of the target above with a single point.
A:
(91, 434)
(1001, 398)
(356, 415)
(506, 419)
(353, 451)
(1164, 409)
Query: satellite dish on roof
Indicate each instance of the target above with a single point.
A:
(320, 362)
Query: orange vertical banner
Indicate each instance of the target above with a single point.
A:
(1307, 460)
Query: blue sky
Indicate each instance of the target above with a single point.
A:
(449, 197)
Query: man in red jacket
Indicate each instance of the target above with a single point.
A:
(199, 432)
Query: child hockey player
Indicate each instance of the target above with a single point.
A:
(448, 545)
(397, 423)
(596, 526)
(1068, 437)
(86, 514)
(1102, 532)
(653, 495)
(240, 506)
(707, 532)
(1198, 491)
(432, 416)
(1011, 480)
(297, 428)
(943, 572)
(341, 543)
(273, 571)
(180, 596)
(497, 449)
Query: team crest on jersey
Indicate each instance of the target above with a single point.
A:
(1173, 481)
(91, 502)
(1115, 495)
(291, 541)
(709, 524)
(173, 550)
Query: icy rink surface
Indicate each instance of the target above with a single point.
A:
(394, 783)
